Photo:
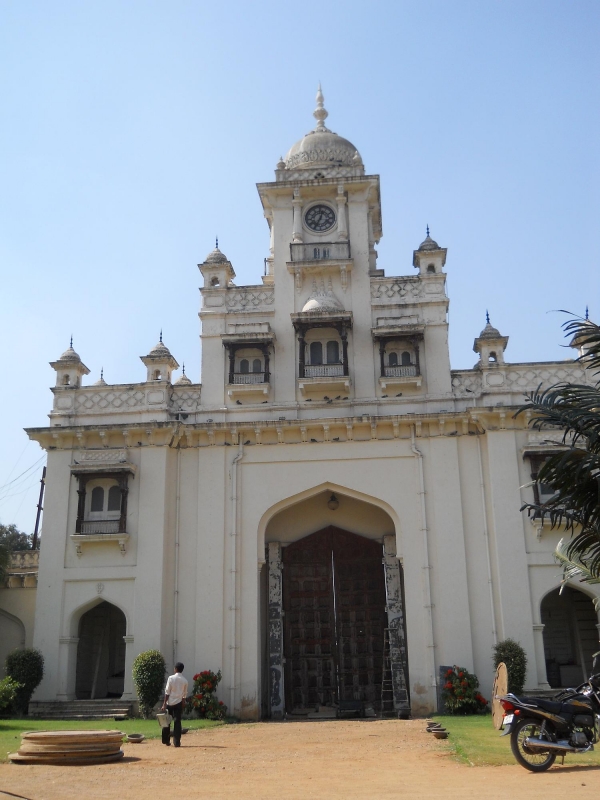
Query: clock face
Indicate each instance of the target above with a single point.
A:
(320, 218)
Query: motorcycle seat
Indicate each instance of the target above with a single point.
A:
(554, 707)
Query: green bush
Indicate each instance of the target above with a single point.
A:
(25, 666)
(8, 692)
(460, 692)
(513, 655)
(149, 670)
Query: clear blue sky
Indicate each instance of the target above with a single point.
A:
(132, 132)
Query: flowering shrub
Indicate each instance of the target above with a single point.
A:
(204, 699)
(460, 692)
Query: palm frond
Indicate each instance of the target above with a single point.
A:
(575, 568)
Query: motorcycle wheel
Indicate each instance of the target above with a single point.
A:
(535, 761)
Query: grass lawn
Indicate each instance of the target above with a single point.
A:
(11, 729)
(475, 741)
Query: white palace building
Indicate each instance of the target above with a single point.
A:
(332, 516)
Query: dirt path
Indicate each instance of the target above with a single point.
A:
(293, 760)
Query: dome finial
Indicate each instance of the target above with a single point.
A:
(102, 373)
(71, 342)
(160, 340)
(320, 113)
(587, 313)
(183, 369)
(487, 317)
(216, 242)
(427, 229)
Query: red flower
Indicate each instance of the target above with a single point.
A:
(449, 672)
(220, 702)
(460, 674)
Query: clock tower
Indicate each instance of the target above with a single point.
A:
(324, 215)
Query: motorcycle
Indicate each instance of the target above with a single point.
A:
(541, 729)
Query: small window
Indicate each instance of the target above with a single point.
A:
(325, 252)
(244, 366)
(67, 380)
(393, 359)
(493, 358)
(333, 352)
(430, 268)
(214, 281)
(317, 252)
(97, 503)
(406, 362)
(257, 365)
(316, 353)
(157, 375)
(114, 498)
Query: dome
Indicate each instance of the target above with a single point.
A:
(70, 355)
(322, 147)
(428, 243)
(322, 299)
(183, 380)
(489, 332)
(159, 350)
(216, 256)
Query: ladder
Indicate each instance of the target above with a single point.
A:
(387, 686)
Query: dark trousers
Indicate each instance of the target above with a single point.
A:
(175, 711)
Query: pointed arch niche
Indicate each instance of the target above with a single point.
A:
(570, 632)
(332, 608)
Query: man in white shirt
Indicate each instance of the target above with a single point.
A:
(174, 702)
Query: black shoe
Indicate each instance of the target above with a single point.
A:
(176, 744)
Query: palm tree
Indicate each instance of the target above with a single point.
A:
(571, 414)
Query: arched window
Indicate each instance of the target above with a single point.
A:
(316, 353)
(97, 503)
(114, 498)
(257, 365)
(493, 357)
(244, 366)
(406, 359)
(430, 268)
(214, 281)
(156, 374)
(333, 352)
(393, 359)
(66, 380)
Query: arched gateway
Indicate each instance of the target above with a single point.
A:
(336, 617)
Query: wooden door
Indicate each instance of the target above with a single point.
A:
(360, 609)
(334, 604)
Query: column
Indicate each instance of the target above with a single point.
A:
(275, 632)
(301, 354)
(67, 661)
(297, 226)
(128, 689)
(341, 204)
(540, 656)
(344, 337)
(395, 615)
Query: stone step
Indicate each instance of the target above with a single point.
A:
(80, 709)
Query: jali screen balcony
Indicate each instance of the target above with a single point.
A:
(323, 251)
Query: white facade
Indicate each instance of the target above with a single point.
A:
(328, 378)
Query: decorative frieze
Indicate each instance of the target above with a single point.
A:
(396, 290)
(251, 298)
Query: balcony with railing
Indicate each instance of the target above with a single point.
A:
(323, 370)
(100, 526)
(248, 378)
(321, 251)
(406, 371)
